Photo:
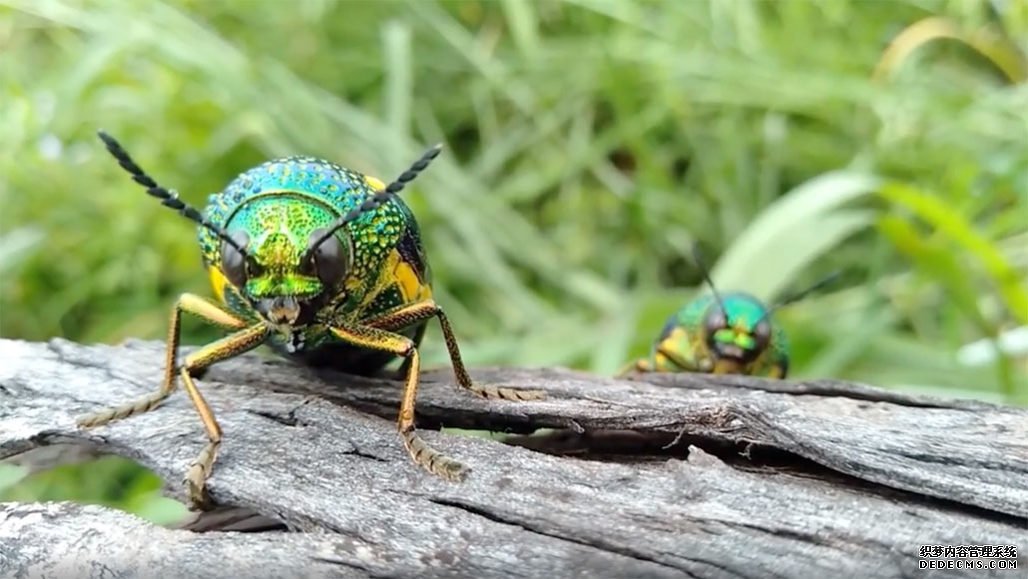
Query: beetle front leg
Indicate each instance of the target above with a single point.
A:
(237, 343)
(225, 348)
(408, 315)
(424, 455)
(641, 365)
(777, 370)
(189, 303)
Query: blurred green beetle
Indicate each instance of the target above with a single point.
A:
(731, 333)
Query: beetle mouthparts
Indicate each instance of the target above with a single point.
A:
(280, 310)
(731, 351)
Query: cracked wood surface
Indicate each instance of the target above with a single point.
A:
(765, 479)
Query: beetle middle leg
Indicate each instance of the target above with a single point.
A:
(424, 455)
(413, 313)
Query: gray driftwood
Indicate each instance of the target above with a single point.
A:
(759, 478)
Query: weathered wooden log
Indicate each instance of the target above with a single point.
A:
(660, 476)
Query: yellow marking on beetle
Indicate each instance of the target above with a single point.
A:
(674, 350)
(661, 363)
(394, 272)
(353, 283)
(410, 284)
(218, 282)
(374, 183)
(678, 334)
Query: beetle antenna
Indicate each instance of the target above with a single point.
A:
(378, 199)
(168, 198)
(799, 295)
(697, 257)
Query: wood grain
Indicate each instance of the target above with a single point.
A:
(765, 479)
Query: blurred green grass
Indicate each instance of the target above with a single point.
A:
(588, 144)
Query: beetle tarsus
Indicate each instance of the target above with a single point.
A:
(501, 393)
(141, 405)
(431, 459)
(198, 473)
(464, 379)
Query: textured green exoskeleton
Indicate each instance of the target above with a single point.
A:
(730, 333)
(323, 264)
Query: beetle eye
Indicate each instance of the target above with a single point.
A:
(330, 260)
(233, 263)
(762, 332)
(716, 319)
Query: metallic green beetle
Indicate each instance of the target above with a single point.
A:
(730, 333)
(323, 264)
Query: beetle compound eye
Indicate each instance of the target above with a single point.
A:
(762, 332)
(330, 259)
(716, 319)
(233, 263)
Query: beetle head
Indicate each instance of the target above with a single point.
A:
(285, 255)
(737, 329)
(281, 272)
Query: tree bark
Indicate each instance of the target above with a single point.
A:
(659, 476)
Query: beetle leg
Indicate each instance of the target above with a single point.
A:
(234, 344)
(419, 450)
(189, 303)
(225, 348)
(401, 373)
(641, 365)
(413, 313)
(778, 370)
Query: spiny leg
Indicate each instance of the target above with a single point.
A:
(189, 303)
(408, 315)
(424, 455)
(225, 348)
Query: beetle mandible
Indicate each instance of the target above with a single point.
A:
(326, 266)
(731, 333)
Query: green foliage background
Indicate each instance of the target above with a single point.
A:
(588, 144)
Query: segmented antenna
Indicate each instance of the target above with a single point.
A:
(168, 198)
(377, 200)
(697, 256)
(799, 295)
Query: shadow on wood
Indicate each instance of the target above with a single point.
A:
(662, 476)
